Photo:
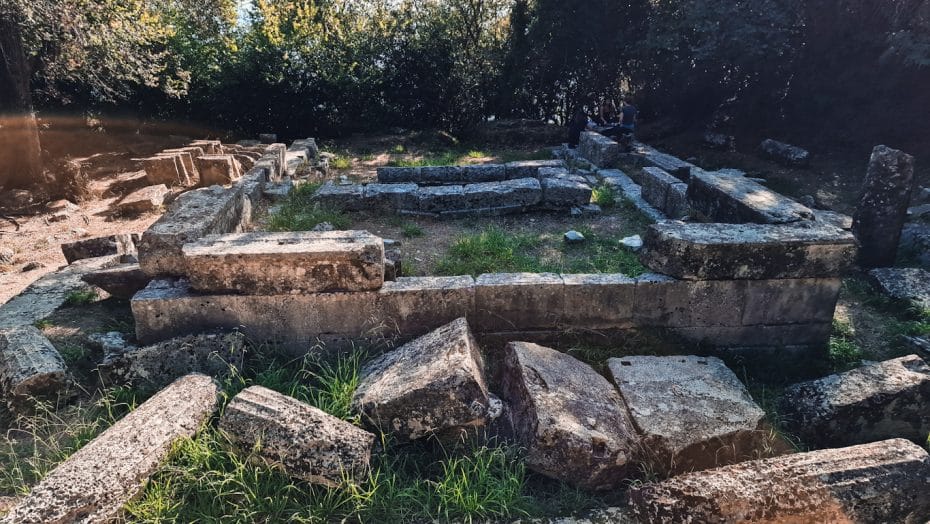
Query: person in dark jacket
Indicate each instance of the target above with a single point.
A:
(577, 124)
(627, 126)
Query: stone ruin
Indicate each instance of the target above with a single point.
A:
(751, 275)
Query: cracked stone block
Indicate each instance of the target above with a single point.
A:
(747, 251)
(518, 301)
(96, 482)
(571, 420)
(565, 193)
(520, 193)
(285, 263)
(877, 401)
(143, 200)
(164, 170)
(785, 154)
(738, 200)
(907, 284)
(121, 244)
(437, 199)
(391, 197)
(218, 170)
(599, 150)
(880, 482)
(692, 412)
(304, 441)
(30, 368)
(429, 386)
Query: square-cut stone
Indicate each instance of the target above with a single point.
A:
(656, 183)
(791, 301)
(518, 301)
(660, 301)
(599, 150)
(531, 168)
(391, 197)
(143, 200)
(347, 198)
(411, 306)
(676, 201)
(523, 192)
(598, 301)
(441, 198)
(739, 200)
(163, 170)
(285, 263)
(565, 193)
(217, 170)
(399, 175)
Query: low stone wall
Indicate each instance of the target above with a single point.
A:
(468, 174)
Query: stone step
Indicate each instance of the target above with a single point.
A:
(738, 200)
(599, 150)
(286, 263)
(95, 483)
(881, 482)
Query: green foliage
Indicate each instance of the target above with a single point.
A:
(845, 353)
(72, 353)
(604, 196)
(446, 158)
(299, 212)
(341, 162)
(81, 297)
(491, 251)
(411, 230)
(43, 324)
(598, 254)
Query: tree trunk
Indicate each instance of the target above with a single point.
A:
(20, 152)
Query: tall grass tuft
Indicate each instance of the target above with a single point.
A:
(491, 251)
(299, 212)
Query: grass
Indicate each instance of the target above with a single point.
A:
(604, 196)
(341, 162)
(461, 156)
(72, 353)
(845, 353)
(446, 158)
(298, 212)
(81, 297)
(411, 230)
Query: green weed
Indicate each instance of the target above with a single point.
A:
(72, 353)
(517, 155)
(411, 230)
(43, 324)
(845, 353)
(399, 149)
(81, 297)
(491, 251)
(475, 154)
(341, 162)
(446, 158)
(597, 254)
(604, 196)
(299, 212)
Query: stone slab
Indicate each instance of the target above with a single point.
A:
(791, 301)
(602, 301)
(144, 200)
(676, 202)
(747, 251)
(565, 193)
(518, 301)
(412, 306)
(96, 482)
(436, 199)
(121, 281)
(217, 170)
(391, 197)
(346, 198)
(882, 208)
(164, 170)
(738, 200)
(286, 263)
(521, 193)
(531, 168)
(300, 439)
(120, 244)
(785, 154)
(399, 175)
(30, 368)
(692, 411)
(878, 401)
(656, 183)
(881, 482)
(906, 284)
(210, 147)
(599, 150)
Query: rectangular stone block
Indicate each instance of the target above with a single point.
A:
(747, 251)
(739, 200)
(412, 306)
(656, 183)
(477, 174)
(210, 147)
(880, 482)
(530, 168)
(347, 198)
(391, 197)
(276, 154)
(660, 301)
(122, 281)
(565, 193)
(30, 368)
(163, 170)
(144, 200)
(187, 162)
(599, 150)
(217, 170)
(437, 199)
(598, 301)
(813, 335)
(518, 301)
(791, 301)
(286, 263)
(676, 202)
(399, 175)
(120, 244)
(95, 483)
(518, 193)
(785, 154)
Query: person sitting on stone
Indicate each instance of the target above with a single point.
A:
(627, 126)
(576, 125)
(608, 113)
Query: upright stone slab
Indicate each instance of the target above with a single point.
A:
(785, 154)
(285, 263)
(570, 419)
(904, 283)
(514, 302)
(881, 482)
(882, 208)
(692, 411)
(30, 367)
(217, 170)
(95, 483)
(739, 200)
(747, 251)
(599, 150)
(878, 401)
(304, 441)
(193, 215)
(433, 384)
(162, 170)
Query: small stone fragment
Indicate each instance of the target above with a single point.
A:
(574, 237)
(32, 266)
(122, 244)
(30, 367)
(6, 256)
(785, 153)
(634, 242)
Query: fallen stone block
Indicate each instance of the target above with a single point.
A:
(193, 215)
(692, 412)
(165, 170)
(436, 199)
(153, 367)
(599, 150)
(30, 368)
(185, 160)
(738, 200)
(747, 251)
(564, 193)
(530, 168)
(300, 439)
(143, 200)
(518, 301)
(906, 284)
(122, 244)
(882, 208)
(122, 281)
(346, 198)
(880, 482)
(286, 263)
(598, 301)
(95, 483)
(520, 193)
(431, 385)
(217, 170)
(571, 420)
(391, 197)
(878, 401)
(785, 154)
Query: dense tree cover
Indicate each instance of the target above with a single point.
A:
(328, 67)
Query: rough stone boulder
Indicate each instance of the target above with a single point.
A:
(217, 169)
(880, 482)
(907, 284)
(599, 150)
(739, 200)
(785, 154)
(747, 251)
(306, 442)
(883, 400)
(122, 244)
(692, 412)
(95, 483)
(122, 281)
(143, 200)
(882, 208)
(284, 263)
(153, 367)
(427, 386)
(30, 367)
(571, 421)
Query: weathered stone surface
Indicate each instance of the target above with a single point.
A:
(692, 411)
(791, 301)
(598, 301)
(518, 301)
(165, 170)
(122, 281)
(571, 420)
(599, 150)
(747, 251)
(95, 483)
(907, 284)
(433, 384)
(122, 244)
(30, 367)
(880, 482)
(217, 170)
(676, 202)
(631, 190)
(185, 161)
(564, 193)
(671, 164)
(284, 263)
(210, 147)
(391, 197)
(786, 154)
(531, 168)
(878, 401)
(832, 218)
(656, 183)
(193, 215)
(154, 367)
(303, 440)
(522, 192)
(143, 200)
(437, 199)
(738, 200)
(411, 306)
(347, 198)
(719, 141)
(399, 175)
(882, 208)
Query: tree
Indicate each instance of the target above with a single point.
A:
(20, 154)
